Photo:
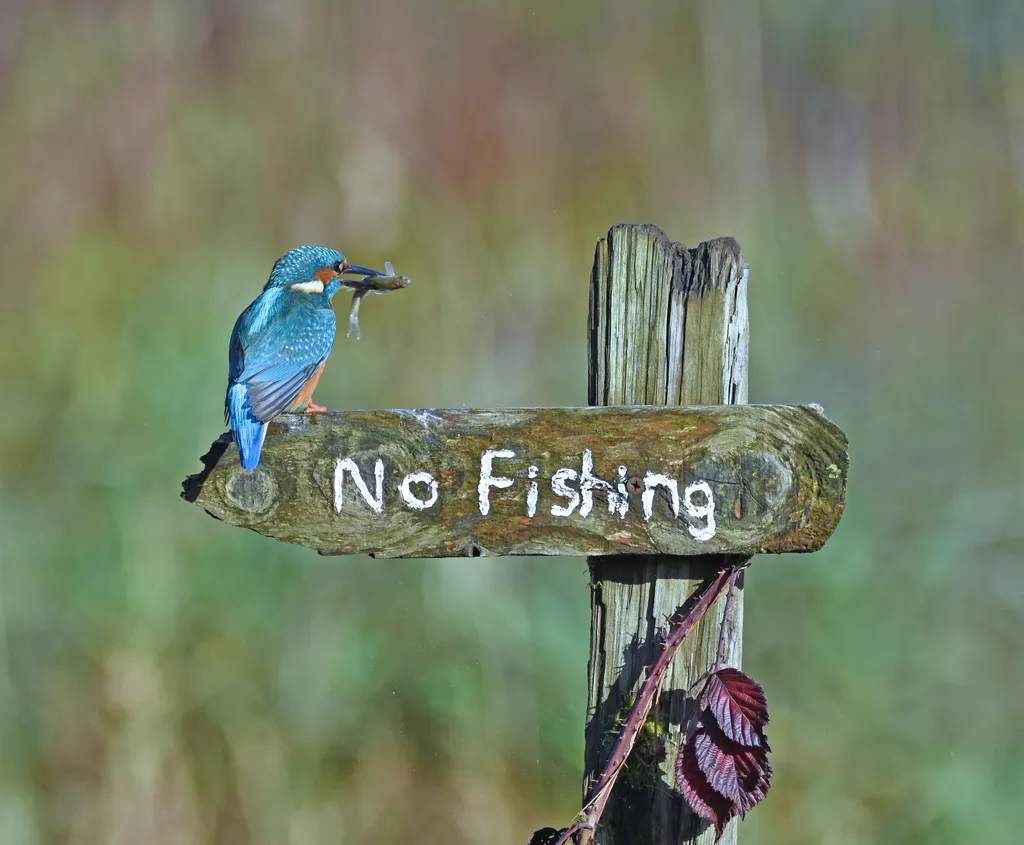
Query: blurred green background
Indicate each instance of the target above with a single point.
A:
(166, 678)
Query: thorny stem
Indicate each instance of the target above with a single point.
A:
(589, 817)
(570, 831)
(725, 618)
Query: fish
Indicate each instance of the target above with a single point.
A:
(372, 284)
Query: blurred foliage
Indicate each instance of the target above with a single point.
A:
(164, 678)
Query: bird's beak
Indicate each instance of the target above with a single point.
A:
(356, 270)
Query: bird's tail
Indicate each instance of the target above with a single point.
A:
(249, 431)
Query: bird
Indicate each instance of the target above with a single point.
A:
(280, 343)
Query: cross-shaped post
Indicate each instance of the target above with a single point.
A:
(668, 480)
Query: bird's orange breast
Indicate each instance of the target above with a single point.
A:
(305, 396)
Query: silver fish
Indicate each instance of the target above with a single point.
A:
(373, 284)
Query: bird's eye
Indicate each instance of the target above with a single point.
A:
(337, 266)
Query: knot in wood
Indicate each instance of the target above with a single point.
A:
(251, 490)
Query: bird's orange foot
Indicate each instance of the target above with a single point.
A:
(313, 408)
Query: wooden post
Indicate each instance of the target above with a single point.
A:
(668, 326)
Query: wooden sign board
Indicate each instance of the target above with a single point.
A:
(538, 481)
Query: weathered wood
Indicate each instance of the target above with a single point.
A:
(776, 474)
(668, 325)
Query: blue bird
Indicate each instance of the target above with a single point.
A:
(280, 343)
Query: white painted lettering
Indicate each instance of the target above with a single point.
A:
(618, 499)
(653, 480)
(573, 488)
(589, 482)
(559, 488)
(487, 480)
(705, 511)
(376, 503)
(405, 490)
(531, 494)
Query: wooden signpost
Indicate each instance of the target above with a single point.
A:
(660, 497)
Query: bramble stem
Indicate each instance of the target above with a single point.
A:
(725, 618)
(706, 595)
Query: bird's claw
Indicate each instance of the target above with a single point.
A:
(313, 408)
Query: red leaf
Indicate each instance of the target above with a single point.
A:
(738, 772)
(755, 772)
(723, 770)
(705, 801)
(718, 766)
(739, 706)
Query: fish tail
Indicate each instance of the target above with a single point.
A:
(249, 431)
(353, 317)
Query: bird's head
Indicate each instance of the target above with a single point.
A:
(316, 270)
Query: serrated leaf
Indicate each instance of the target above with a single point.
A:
(718, 766)
(691, 781)
(754, 772)
(723, 769)
(738, 772)
(739, 706)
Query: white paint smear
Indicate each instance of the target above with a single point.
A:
(705, 511)
(344, 465)
(653, 480)
(532, 493)
(589, 482)
(558, 486)
(414, 502)
(618, 499)
(488, 480)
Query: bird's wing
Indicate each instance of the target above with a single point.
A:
(277, 349)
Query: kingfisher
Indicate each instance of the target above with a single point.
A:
(280, 343)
